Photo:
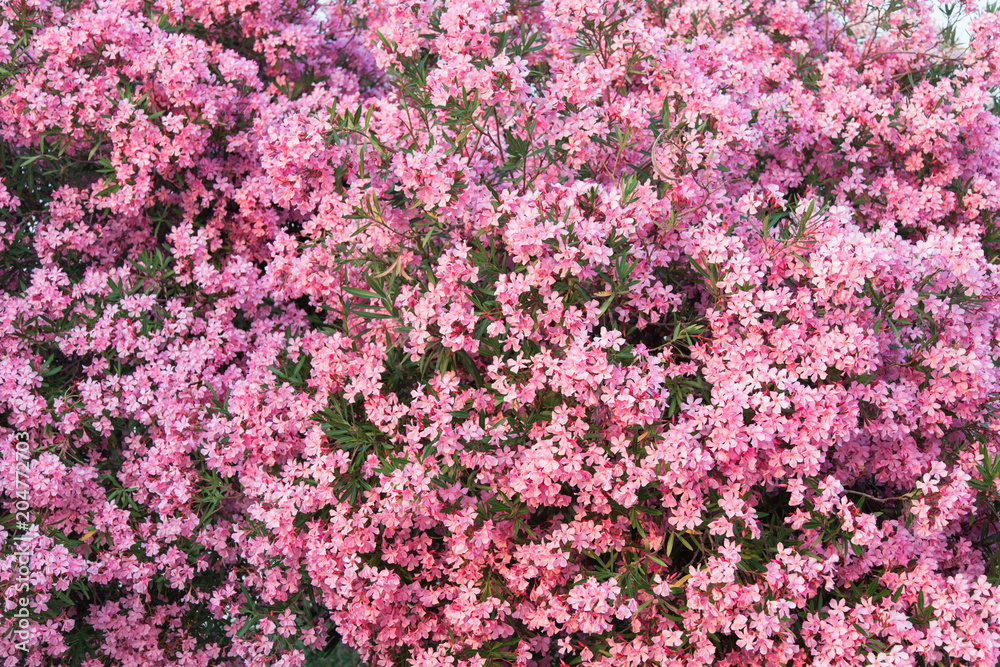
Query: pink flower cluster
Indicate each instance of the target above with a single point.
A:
(571, 332)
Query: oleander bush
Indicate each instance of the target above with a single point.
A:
(468, 333)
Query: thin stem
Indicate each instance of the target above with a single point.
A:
(878, 500)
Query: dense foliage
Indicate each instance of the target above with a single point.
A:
(476, 333)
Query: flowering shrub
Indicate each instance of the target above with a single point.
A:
(475, 333)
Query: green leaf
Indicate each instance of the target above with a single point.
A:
(364, 294)
(371, 315)
(247, 625)
(606, 305)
